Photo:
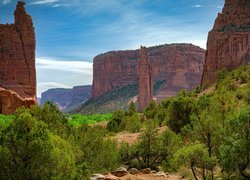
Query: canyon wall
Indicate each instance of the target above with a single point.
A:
(17, 55)
(179, 65)
(66, 98)
(228, 44)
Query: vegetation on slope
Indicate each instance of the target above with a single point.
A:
(207, 138)
(118, 98)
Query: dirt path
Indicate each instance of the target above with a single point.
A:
(131, 138)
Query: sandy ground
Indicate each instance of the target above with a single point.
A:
(150, 177)
(131, 138)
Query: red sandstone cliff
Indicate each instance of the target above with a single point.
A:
(228, 44)
(11, 101)
(17, 58)
(145, 91)
(180, 65)
(17, 54)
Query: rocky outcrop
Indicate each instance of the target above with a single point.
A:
(145, 81)
(66, 98)
(10, 101)
(17, 55)
(228, 44)
(179, 65)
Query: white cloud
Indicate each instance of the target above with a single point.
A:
(6, 1)
(52, 73)
(45, 1)
(219, 7)
(61, 5)
(197, 6)
(52, 85)
(71, 66)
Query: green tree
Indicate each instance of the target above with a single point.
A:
(29, 151)
(94, 151)
(147, 150)
(235, 150)
(116, 120)
(194, 156)
(180, 112)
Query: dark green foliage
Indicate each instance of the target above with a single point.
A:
(93, 151)
(115, 122)
(29, 150)
(207, 133)
(180, 112)
(235, 150)
(109, 102)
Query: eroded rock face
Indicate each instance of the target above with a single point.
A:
(17, 62)
(180, 65)
(17, 54)
(145, 81)
(228, 44)
(10, 101)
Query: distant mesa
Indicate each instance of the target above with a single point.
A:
(228, 44)
(67, 99)
(17, 62)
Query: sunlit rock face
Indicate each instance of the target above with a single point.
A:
(17, 57)
(228, 44)
(179, 65)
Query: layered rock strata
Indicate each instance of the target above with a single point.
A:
(179, 65)
(228, 44)
(17, 56)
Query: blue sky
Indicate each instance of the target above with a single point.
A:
(70, 33)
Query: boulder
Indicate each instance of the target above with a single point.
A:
(120, 172)
(97, 177)
(146, 171)
(134, 171)
(10, 101)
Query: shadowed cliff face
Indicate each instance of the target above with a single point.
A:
(228, 44)
(17, 57)
(180, 65)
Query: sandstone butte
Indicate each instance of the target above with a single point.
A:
(145, 91)
(228, 44)
(179, 65)
(17, 62)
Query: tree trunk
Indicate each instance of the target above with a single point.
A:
(192, 168)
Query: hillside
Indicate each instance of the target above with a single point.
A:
(67, 99)
(118, 98)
